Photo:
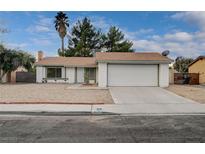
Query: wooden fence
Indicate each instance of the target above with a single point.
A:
(186, 78)
(28, 77)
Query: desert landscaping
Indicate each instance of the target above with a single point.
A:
(194, 92)
(52, 93)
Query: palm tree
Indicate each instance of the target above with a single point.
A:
(61, 24)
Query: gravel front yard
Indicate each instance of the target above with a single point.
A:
(196, 92)
(52, 93)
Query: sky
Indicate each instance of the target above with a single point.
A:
(182, 33)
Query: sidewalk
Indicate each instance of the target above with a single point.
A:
(139, 108)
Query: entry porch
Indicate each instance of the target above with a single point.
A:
(72, 75)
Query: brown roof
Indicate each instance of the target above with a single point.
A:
(102, 56)
(198, 58)
(131, 56)
(68, 61)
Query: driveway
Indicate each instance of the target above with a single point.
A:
(145, 95)
(148, 100)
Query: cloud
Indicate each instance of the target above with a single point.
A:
(16, 45)
(179, 36)
(194, 17)
(101, 22)
(42, 32)
(179, 43)
(41, 41)
(42, 25)
(145, 31)
(134, 34)
(3, 28)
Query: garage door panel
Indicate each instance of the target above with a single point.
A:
(132, 75)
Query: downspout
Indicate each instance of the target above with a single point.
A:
(65, 74)
(75, 74)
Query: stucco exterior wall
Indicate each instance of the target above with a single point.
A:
(96, 75)
(63, 71)
(102, 74)
(171, 75)
(66, 73)
(199, 67)
(80, 74)
(163, 75)
(4, 78)
(40, 74)
(70, 74)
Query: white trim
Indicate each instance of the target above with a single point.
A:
(133, 61)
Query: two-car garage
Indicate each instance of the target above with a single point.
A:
(132, 75)
(132, 69)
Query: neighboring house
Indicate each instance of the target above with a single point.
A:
(198, 66)
(106, 69)
(11, 76)
(4, 78)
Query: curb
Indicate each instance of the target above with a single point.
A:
(88, 113)
(43, 113)
(48, 102)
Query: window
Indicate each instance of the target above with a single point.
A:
(91, 74)
(53, 72)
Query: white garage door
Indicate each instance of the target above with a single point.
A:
(132, 75)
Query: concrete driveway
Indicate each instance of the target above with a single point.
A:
(145, 95)
(150, 100)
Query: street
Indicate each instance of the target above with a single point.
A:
(101, 128)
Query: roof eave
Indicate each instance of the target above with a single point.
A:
(56, 65)
(197, 59)
(136, 61)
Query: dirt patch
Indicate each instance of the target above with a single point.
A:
(196, 93)
(52, 93)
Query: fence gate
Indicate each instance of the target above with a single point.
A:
(28, 77)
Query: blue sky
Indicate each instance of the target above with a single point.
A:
(183, 33)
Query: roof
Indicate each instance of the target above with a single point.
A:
(140, 57)
(131, 56)
(198, 58)
(68, 61)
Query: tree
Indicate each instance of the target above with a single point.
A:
(85, 40)
(61, 25)
(114, 41)
(10, 60)
(181, 64)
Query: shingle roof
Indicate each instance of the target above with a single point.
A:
(131, 56)
(68, 61)
(102, 56)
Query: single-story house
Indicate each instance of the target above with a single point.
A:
(198, 66)
(107, 69)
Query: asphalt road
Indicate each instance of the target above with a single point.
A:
(91, 129)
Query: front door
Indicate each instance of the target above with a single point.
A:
(90, 75)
